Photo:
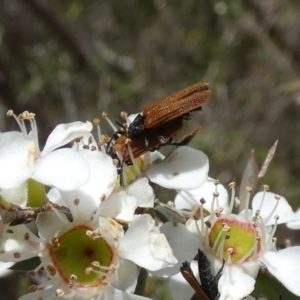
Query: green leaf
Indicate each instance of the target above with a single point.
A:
(27, 264)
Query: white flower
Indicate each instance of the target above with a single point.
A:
(92, 256)
(245, 241)
(88, 258)
(101, 192)
(21, 159)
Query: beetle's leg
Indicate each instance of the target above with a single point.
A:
(162, 139)
(147, 144)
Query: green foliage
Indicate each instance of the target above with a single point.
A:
(26, 265)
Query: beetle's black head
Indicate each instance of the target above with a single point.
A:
(136, 127)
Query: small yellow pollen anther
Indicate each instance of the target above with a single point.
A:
(10, 113)
(216, 194)
(105, 138)
(116, 162)
(249, 189)
(51, 270)
(231, 185)
(266, 187)
(208, 224)
(170, 203)
(32, 288)
(96, 121)
(21, 117)
(88, 271)
(89, 233)
(217, 181)
(78, 139)
(123, 115)
(196, 213)
(59, 293)
(218, 211)
(54, 241)
(156, 201)
(104, 115)
(31, 116)
(95, 264)
(229, 250)
(277, 197)
(225, 228)
(73, 277)
(113, 267)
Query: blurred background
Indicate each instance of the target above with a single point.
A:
(68, 60)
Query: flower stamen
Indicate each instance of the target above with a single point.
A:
(249, 191)
(232, 187)
(277, 197)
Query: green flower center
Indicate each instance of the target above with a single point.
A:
(235, 238)
(74, 252)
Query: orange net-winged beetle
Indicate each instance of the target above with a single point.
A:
(159, 122)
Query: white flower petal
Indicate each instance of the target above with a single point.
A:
(146, 247)
(184, 246)
(142, 191)
(126, 275)
(101, 181)
(234, 284)
(283, 210)
(103, 174)
(295, 224)
(122, 203)
(13, 242)
(114, 294)
(185, 168)
(54, 196)
(64, 169)
(17, 154)
(48, 293)
(4, 268)
(285, 266)
(190, 198)
(65, 133)
(120, 206)
(49, 224)
(17, 195)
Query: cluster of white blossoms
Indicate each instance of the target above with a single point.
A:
(67, 206)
